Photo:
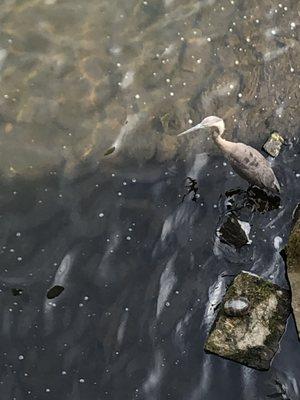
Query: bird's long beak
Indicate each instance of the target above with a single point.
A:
(194, 128)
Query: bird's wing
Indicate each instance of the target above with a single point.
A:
(252, 166)
(243, 151)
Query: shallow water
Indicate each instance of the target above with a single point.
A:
(143, 271)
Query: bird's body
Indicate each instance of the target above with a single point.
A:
(245, 160)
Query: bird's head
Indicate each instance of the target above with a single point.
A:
(207, 122)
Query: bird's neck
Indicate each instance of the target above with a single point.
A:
(220, 126)
(223, 144)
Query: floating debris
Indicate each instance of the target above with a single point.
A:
(17, 292)
(261, 200)
(292, 252)
(251, 339)
(234, 232)
(110, 151)
(192, 187)
(254, 198)
(273, 144)
(237, 307)
(55, 291)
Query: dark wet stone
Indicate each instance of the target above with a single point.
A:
(16, 292)
(55, 291)
(231, 232)
(292, 252)
(110, 151)
(251, 339)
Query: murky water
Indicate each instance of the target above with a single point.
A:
(142, 271)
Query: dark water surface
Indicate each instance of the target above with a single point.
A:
(142, 274)
(142, 271)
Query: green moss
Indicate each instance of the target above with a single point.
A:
(293, 247)
(254, 288)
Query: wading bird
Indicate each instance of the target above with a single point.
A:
(244, 159)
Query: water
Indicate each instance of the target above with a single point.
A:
(142, 271)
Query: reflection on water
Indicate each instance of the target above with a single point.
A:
(142, 271)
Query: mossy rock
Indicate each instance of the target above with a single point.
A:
(293, 269)
(293, 249)
(252, 339)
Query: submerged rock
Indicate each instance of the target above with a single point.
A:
(273, 144)
(251, 339)
(234, 232)
(293, 268)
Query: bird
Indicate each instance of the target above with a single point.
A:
(246, 161)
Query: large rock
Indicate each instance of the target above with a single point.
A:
(253, 338)
(293, 268)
